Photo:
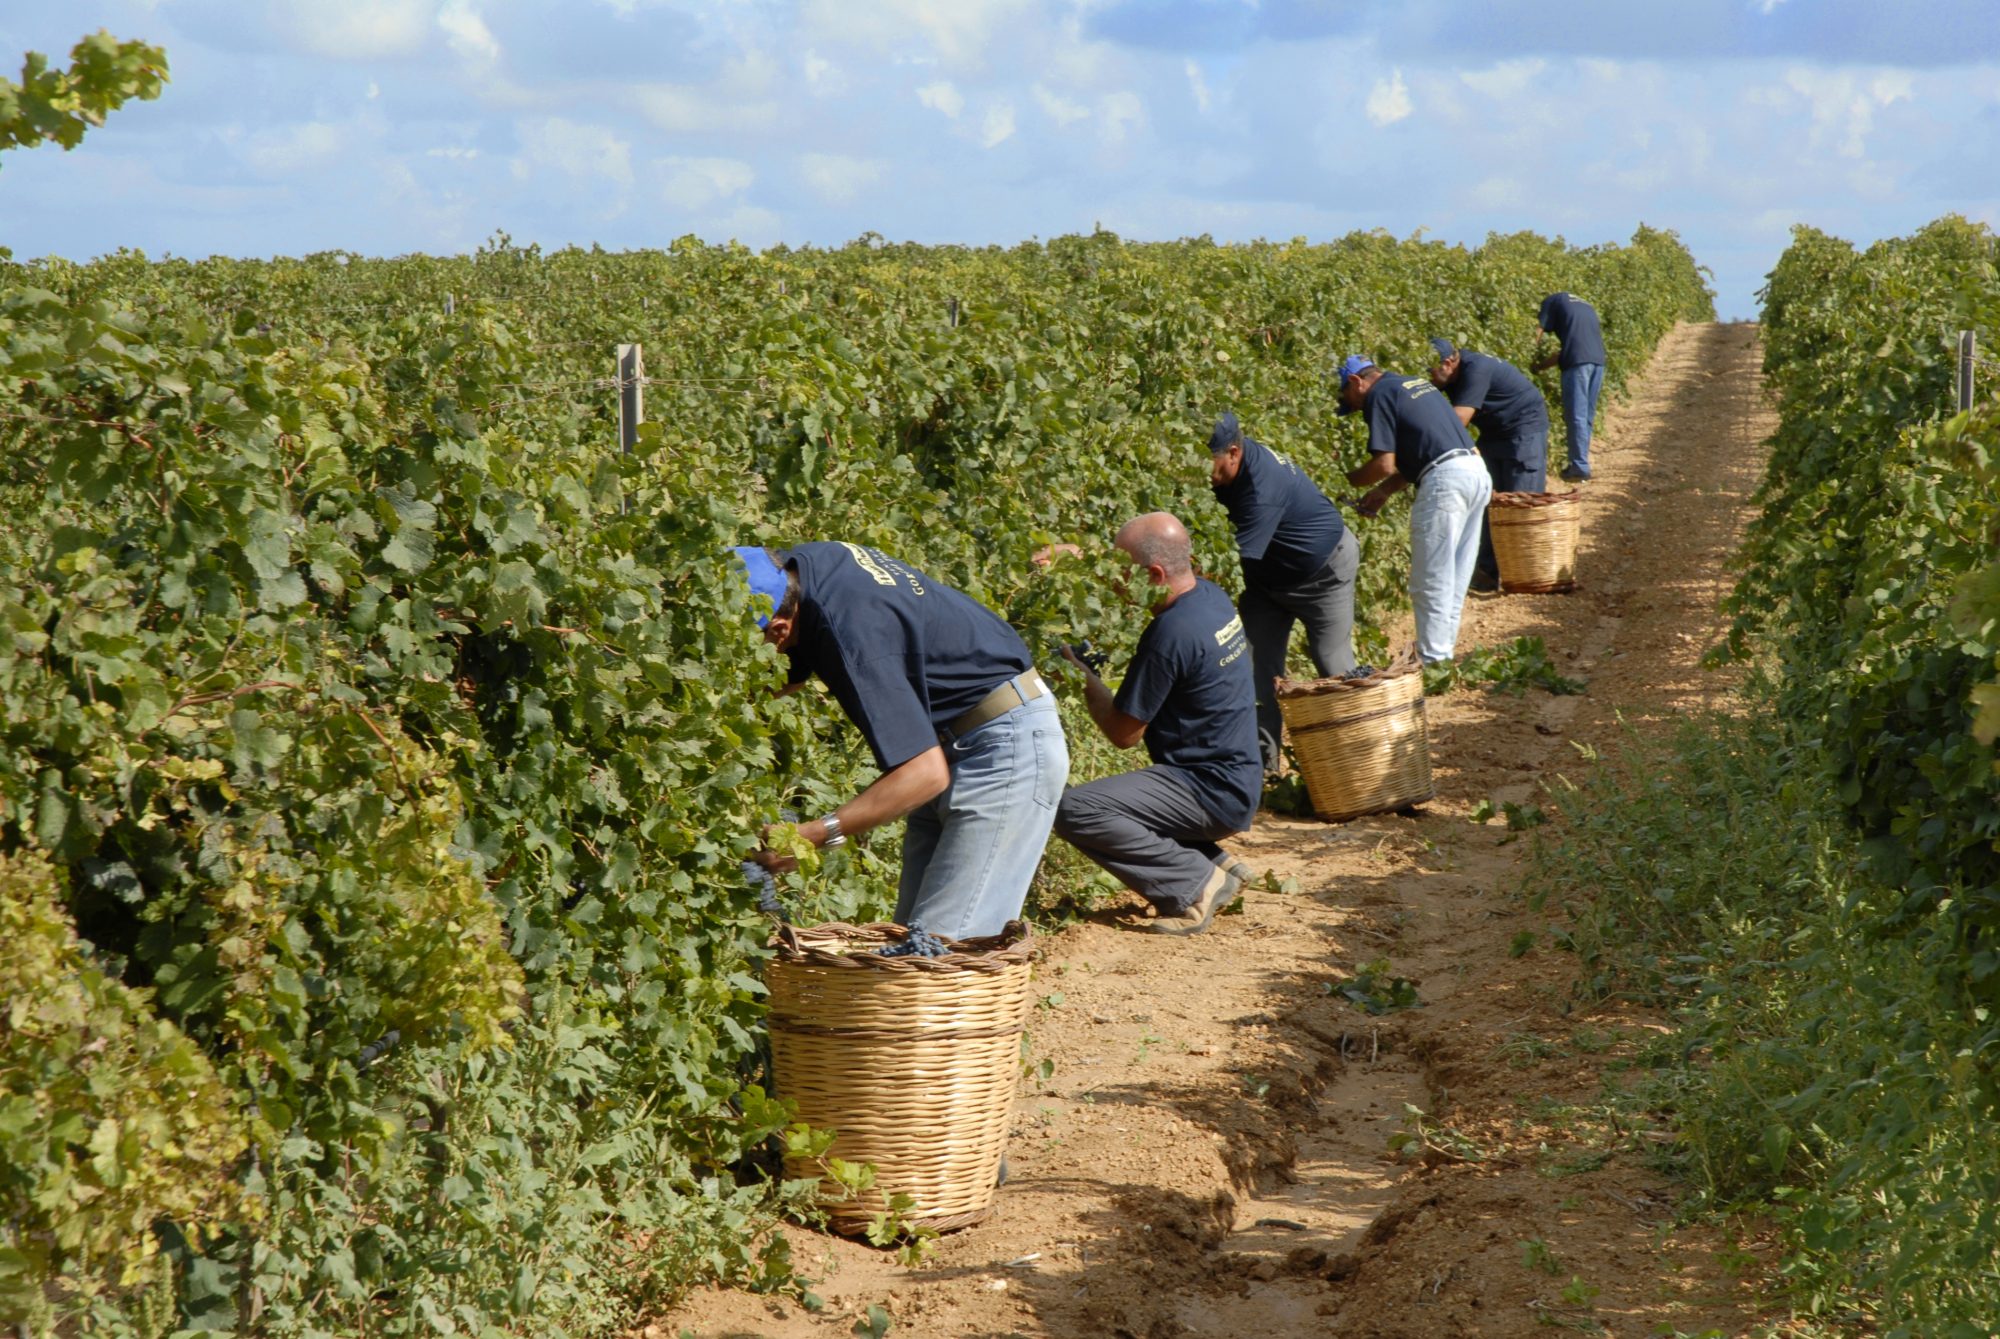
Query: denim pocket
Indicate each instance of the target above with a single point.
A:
(1051, 766)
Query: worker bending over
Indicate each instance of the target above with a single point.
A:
(1581, 361)
(967, 735)
(1416, 441)
(1299, 562)
(1498, 400)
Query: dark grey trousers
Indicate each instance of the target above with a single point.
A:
(1324, 602)
(1149, 830)
(1516, 467)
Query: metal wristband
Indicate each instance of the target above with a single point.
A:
(834, 836)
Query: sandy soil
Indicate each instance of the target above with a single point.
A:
(1211, 1152)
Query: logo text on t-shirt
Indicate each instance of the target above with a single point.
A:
(876, 564)
(1231, 632)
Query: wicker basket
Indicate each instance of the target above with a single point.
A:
(913, 1062)
(1534, 540)
(1361, 743)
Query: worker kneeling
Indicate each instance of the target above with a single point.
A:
(1189, 694)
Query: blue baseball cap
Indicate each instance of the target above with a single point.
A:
(766, 578)
(1228, 432)
(1445, 348)
(1352, 365)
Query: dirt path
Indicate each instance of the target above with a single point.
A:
(1209, 1154)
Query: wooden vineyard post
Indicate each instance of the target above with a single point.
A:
(450, 307)
(631, 398)
(1967, 356)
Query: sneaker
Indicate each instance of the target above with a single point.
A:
(1231, 864)
(1220, 890)
(1572, 475)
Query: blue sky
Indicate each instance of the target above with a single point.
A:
(390, 126)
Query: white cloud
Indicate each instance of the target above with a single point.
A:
(439, 217)
(753, 225)
(1498, 193)
(958, 31)
(745, 94)
(1843, 103)
(1389, 100)
(682, 109)
(696, 183)
(374, 90)
(822, 75)
(998, 125)
(942, 96)
(283, 150)
(573, 149)
(837, 178)
(1063, 111)
(454, 151)
(1508, 79)
(1199, 87)
(1119, 114)
(467, 33)
(357, 29)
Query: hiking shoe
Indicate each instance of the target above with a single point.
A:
(1572, 475)
(1220, 890)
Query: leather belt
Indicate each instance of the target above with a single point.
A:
(1018, 691)
(1449, 455)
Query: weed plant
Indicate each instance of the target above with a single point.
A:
(1830, 1070)
(1512, 667)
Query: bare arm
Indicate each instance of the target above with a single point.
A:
(890, 796)
(1123, 731)
(1464, 414)
(1373, 500)
(1378, 468)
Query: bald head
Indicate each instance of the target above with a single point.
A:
(1158, 540)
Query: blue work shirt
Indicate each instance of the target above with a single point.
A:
(1285, 527)
(905, 655)
(1411, 417)
(1506, 407)
(1573, 321)
(1190, 681)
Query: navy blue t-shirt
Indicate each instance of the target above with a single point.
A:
(904, 655)
(1285, 527)
(1411, 417)
(1190, 681)
(1507, 407)
(1573, 321)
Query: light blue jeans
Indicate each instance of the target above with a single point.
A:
(1581, 385)
(1444, 548)
(969, 855)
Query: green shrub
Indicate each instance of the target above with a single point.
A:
(1870, 572)
(110, 1119)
